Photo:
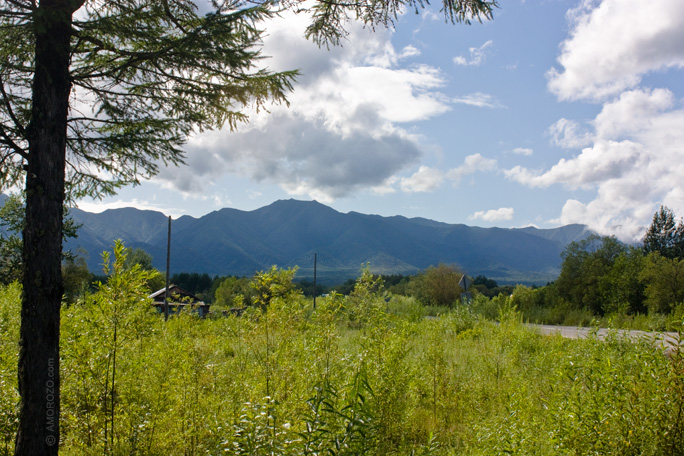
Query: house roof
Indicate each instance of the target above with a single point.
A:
(176, 294)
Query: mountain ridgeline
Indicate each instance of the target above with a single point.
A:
(289, 232)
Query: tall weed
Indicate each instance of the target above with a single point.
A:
(10, 300)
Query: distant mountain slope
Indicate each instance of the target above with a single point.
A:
(289, 233)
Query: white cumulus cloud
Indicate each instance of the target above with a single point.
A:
(630, 110)
(424, 180)
(570, 134)
(634, 164)
(631, 155)
(344, 128)
(472, 164)
(612, 44)
(494, 215)
(595, 165)
(98, 206)
(428, 179)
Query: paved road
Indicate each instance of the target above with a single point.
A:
(665, 339)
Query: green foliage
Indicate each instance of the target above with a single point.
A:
(140, 257)
(255, 434)
(407, 308)
(12, 213)
(104, 325)
(12, 218)
(143, 260)
(329, 19)
(488, 308)
(307, 287)
(201, 285)
(665, 236)
(485, 282)
(341, 424)
(585, 263)
(364, 305)
(490, 288)
(605, 401)
(10, 298)
(665, 282)
(234, 292)
(524, 298)
(272, 284)
(397, 284)
(604, 279)
(438, 286)
(10, 259)
(623, 286)
(76, 279)
(335, 423)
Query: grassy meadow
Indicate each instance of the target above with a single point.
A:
(358, 375)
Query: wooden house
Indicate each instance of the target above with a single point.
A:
(179, 299)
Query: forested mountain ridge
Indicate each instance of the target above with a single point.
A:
(288, 233)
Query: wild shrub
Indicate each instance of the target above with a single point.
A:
(437, 286)
(256, 432)
(408, 308)
(98, 336)
(363, 306)
(340, 423)
(609, 399)
(486, 307)
(10, 299)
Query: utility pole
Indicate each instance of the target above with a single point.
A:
(168, 264)
(314, 290)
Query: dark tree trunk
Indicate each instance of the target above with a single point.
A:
(38, 432)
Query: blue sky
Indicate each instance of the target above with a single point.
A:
(555, 112)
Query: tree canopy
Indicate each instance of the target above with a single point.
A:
(665, 235)
(588, 278)
(438, 285)
(12, 222)
(144, 75)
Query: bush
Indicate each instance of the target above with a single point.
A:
(10, 302)
(437, 286)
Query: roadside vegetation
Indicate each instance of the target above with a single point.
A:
(604, 282)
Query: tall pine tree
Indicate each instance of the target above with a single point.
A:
(665, 235)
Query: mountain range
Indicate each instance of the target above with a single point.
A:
(289, 233)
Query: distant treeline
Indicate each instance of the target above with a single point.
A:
(437, 286)
(602, 278)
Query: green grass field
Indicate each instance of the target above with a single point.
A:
(356, 376)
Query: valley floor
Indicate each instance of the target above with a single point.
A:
(355, 376)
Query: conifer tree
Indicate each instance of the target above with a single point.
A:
(665, 235)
